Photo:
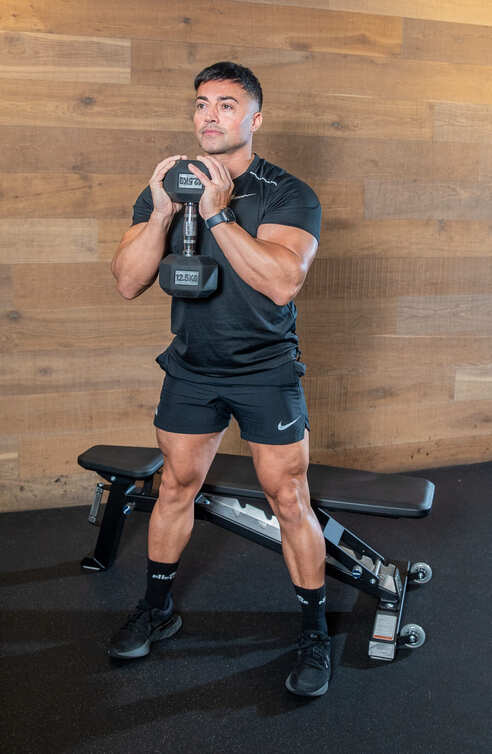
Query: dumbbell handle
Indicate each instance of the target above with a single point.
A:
(190, 229)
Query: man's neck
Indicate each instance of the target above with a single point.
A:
(237, 162)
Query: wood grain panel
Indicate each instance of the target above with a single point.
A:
(463, 123)
(469, 12)
(405, 238)
(6, 296)
(445, 315)
(317, 158)
(340, 200)
(9, 457)
(473, 383)
(330, 315)
(385, 426)
(359, 354)
(366, 277)
(56, 454)
(201, 21)
(66, 285)
(89, 369)
(310, 158)
(94, 409)
(400, 387)
(453, 43)
(427, 201)
(329, 73)
(84, 327)
(56, 57)
(347, 116)
(57, 491)
(408, 456)
(163, 108)
(69, 195)
(55, 286)
(82, 150)
(485, 170)
(47, 240)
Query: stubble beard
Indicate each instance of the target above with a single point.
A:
(222, 149)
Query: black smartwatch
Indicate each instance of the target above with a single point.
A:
(225, 216)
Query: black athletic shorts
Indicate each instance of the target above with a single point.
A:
(269, 407)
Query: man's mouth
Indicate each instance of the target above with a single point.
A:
(210, 131)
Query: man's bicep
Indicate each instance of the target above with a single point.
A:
(132, 233)
(297, 240)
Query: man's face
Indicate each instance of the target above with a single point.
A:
(225, 117)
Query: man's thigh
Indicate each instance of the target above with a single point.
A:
(270, 414)
(277, 465)
(187, 458)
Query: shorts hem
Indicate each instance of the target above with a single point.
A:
(189, 430)
(276, 441)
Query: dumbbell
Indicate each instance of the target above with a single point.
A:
(187, 275)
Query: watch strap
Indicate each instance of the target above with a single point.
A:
(224, 216)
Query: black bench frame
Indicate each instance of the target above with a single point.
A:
(240, 507)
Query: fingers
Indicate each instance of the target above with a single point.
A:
(162, 167)
(200, 174)
(218, 170)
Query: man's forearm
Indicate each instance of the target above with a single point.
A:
(137, 260)
(267, 267)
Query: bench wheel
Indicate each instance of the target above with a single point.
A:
(420, 573)
(412, 636)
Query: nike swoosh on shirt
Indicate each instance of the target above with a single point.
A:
(281, 426)
(242, 196)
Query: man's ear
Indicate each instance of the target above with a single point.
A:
(256, 121)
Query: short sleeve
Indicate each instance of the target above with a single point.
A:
(294, 203)
(143, 207)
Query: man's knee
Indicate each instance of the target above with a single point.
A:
(290, 500)
(179, 489)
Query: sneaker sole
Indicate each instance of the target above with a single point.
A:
(317, 692)
(167, 630)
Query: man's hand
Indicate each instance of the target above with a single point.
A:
(163, 206)
(218, 189)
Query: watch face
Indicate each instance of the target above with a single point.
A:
(229, 214)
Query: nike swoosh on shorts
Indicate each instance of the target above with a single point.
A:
(281, 426)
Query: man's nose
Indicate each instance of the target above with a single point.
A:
(211, 114)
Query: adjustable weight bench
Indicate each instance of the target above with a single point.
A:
(231, 497)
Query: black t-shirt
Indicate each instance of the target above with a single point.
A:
(237, 331)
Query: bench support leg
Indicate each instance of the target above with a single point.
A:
(110, 531)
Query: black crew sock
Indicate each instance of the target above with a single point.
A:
(160, 577)
(313, 604)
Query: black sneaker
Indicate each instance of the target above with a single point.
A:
(145, 625)
(311, 673)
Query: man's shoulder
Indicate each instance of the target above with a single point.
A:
(277, 177)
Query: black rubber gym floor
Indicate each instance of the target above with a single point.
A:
(218, 685)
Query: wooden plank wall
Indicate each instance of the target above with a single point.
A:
(384, 106)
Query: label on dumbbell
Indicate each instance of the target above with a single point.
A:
(188, 181)
(186, 277)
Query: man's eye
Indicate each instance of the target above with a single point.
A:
(226, 106)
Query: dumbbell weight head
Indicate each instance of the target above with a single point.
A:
(188, 277)
(181, 185)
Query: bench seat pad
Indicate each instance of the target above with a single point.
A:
(331, 487)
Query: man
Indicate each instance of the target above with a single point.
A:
(234, 352)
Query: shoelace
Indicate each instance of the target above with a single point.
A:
(313, 650)
(138, 614)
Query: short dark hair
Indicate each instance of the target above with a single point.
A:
(227, 71)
